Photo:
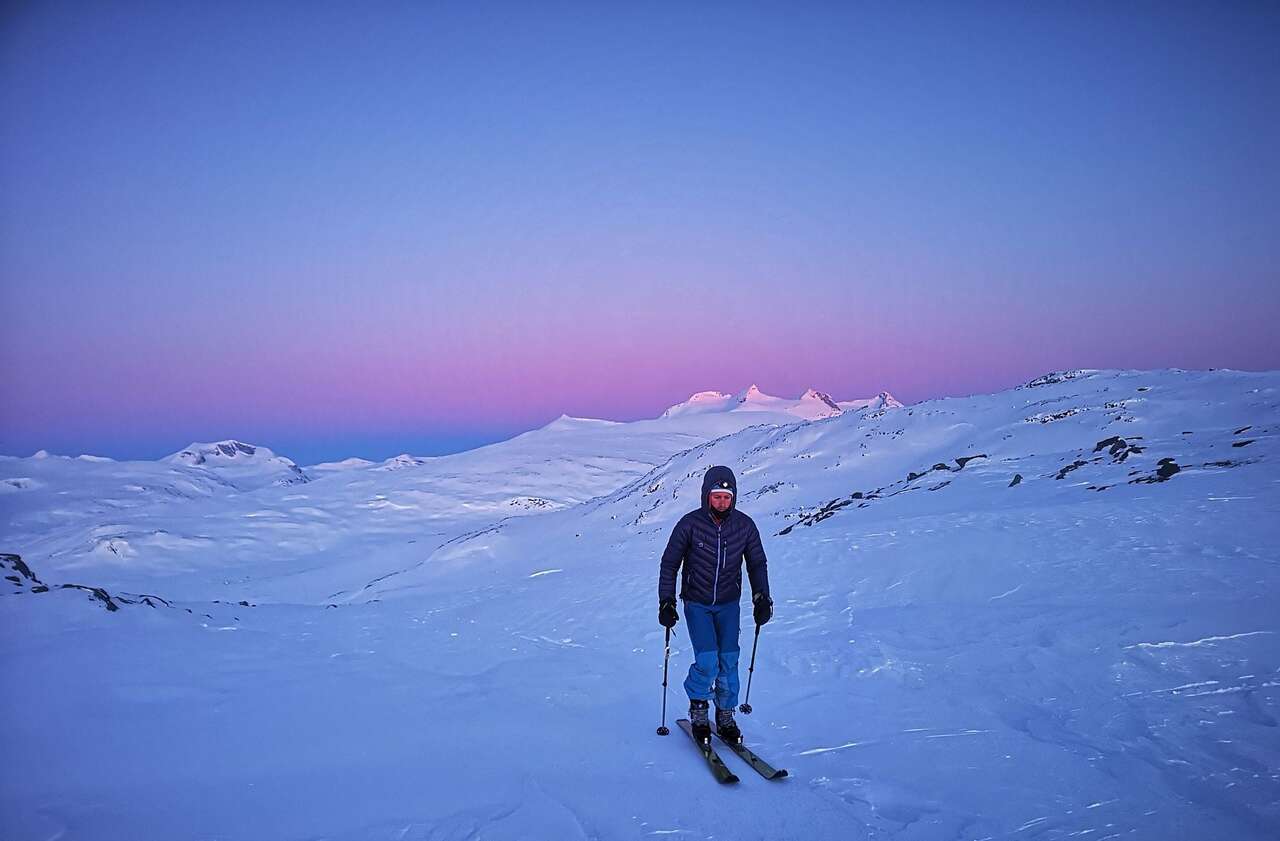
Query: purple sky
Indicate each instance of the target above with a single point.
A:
(338, 229)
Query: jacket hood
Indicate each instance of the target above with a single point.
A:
(721, 478)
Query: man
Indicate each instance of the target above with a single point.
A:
(711, 544)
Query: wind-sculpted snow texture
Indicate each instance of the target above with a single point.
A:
(435, 651)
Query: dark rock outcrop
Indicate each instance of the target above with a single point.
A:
(95, 592)
(24, 576)
(15, 563)
(1118, 448)
(1166, 468)
(1075, 465)
(1053, 378)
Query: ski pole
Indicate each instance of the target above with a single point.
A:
(666, 656)
(746, 708)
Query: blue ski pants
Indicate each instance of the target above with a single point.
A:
(713, 630)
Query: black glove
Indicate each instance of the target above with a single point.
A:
(668, 616)
(762, 608)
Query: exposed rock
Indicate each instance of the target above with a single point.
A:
(825, 511)
(1073, 466)
(1017, 480)
(1166, 469)
(1054, 377)
(913, 475)
(531, 502)
(1118, 448)
(96, 592)
(1050, 417)
(767, 489)
(112, 603)
(15, 563)
(1228, 463)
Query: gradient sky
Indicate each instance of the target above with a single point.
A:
(366, 228)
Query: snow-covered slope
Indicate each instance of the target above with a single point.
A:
(243, 524)
(1044, 613)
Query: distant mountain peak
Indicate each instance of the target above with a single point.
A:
(353, 463)
(569, 422)
(812, 405)
(883, 400)
(221, 455)
(400, 462)
(812, 395)
(219, 452)
(888, 401)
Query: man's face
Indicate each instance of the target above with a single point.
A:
(720, 501)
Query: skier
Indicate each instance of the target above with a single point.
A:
(711, 543)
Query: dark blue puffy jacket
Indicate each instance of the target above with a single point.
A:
(711, 552)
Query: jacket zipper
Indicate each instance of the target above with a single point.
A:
(715, 586)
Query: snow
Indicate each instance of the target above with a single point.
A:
(883, 400)
(426, 653)
(243, 465)
(344, 464)
(812, 405)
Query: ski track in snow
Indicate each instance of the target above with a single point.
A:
(1194, 643)
(816, 751)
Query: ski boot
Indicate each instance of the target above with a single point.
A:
(726, 727)
(699, 721)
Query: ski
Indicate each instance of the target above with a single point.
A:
(718, 768)
(763, 768)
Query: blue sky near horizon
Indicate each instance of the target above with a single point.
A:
(338, 230)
